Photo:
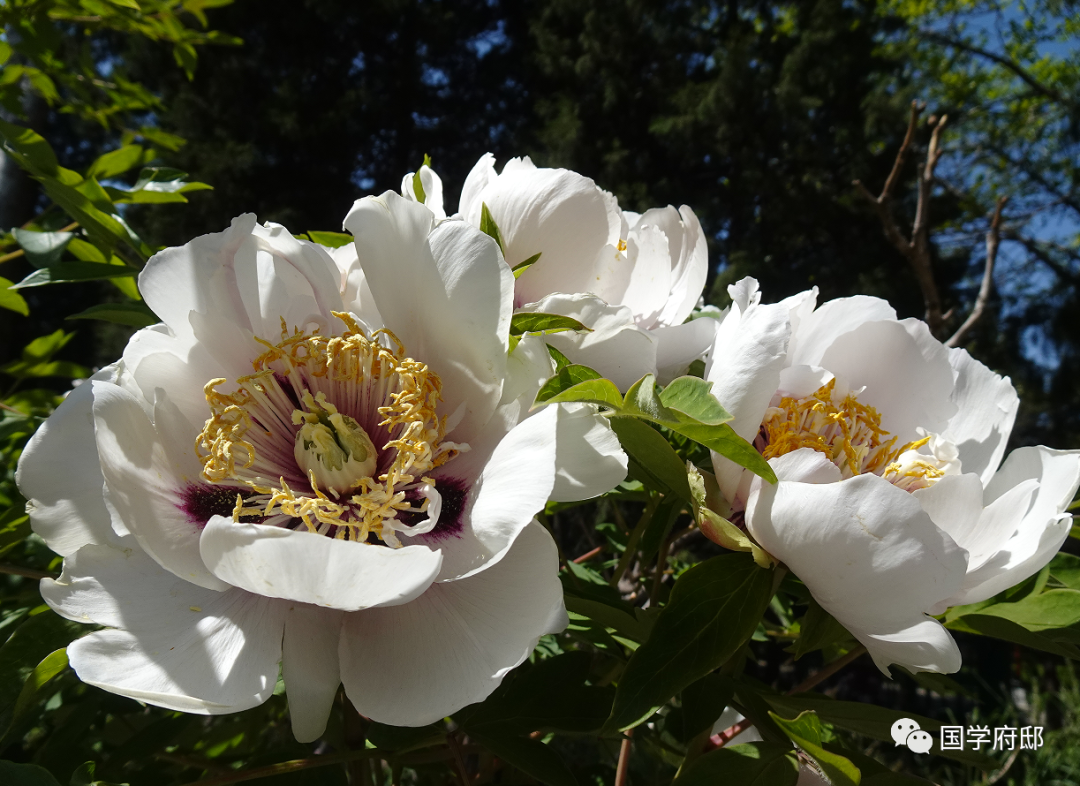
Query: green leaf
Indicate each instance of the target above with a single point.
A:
(103, 228)
(752, 764)
(703, 702)
(51, 665)
(136, 314)
(1058, 608)
(591, 603)
(532, 757)
(12, 774)
(115, 162)
(653, 455)
(818, 629)
(5, 52)
(187, 58)
(67, 272)
(714, 609)
(693, 397)
(727, 443)
(490, 228)
(561, 360)
(1066, 569)
(331, 239)
(527, 322)
(14, 522)
(551, 695)
(29, 149)
(805, 731)
(28, 646)
(1000, 628)
(579, 383)
(12, 300)
(642, 400)
(521, 267)
(418, 188)
(869, 720)
(42, 249)
(132, 4)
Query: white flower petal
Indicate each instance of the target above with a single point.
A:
(690, 258)
(955, 504)
(617, 348)
(678, 346)
(433, 190)
(986, 410)
(180, 646)
(482, 173)
(642, 280)
(744, 368)
(59, 475)
(453, 645)
(145, 485)
(869, 555)
(588, 457)
(907, 380)
(446, 295)
(309, 665)
(1044, 526)
(925, 646)
(513, 486)
(311, 568)
(818, 330)
(554, 212)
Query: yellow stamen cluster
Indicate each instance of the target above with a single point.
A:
(242, 439)
(846, 431)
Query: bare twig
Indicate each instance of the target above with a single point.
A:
(727, 735)
(997, 776)
(15, 570)
(288, 766)
(623, 767)
(828, 670)
(915, 250)
(993, 240)
(459, 760)
(588, 555)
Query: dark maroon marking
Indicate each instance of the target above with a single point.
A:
(455, 496)
(287, 388)
(200, 501)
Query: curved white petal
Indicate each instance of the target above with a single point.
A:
(677, 346)
(641, 280)
(433, 190)
(588, 457)
(309, 666)
(554, 212)
(907, 379)
(482, 173)
(145, 485)
(616, 347)
(690, 259)
(1043, 527)
(744, 367)
(59, 474)
(819, 329)
(986, 410)
(955, 503)
(178, 646)
(869, 555)
(513, 486)
(445, 293)
(453, 645)
(311, 568)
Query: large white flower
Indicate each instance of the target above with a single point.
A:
(632, 278)
(281, 474)
(890, 504)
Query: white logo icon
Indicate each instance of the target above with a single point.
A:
(907, 732)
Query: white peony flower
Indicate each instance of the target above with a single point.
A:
(280, 474)
(890, 504)
(632, 278)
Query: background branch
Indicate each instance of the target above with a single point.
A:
(993, 240)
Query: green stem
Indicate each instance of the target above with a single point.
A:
(631, 544)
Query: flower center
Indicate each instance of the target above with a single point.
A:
(850, 434)
(302, 433)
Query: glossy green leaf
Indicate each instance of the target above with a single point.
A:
(42, 249)
(550, 695)
(29, 148)
(51, 665)
(67, 272)
(12, 300)
(727, 443)
(490, 228)
(1000, 628)
(652, 453)
(528, 322)
(703, 702)
(521, 267)
(714, 609)
(115, 162)
(12, 774)
(805, 730)
(532, 757)
(643, 400)
(331, 239)
(751, 764)
(693, 397)
(561, 360)
(1057, 608)
(817, 629)
(136, 315)
(1066, 569)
